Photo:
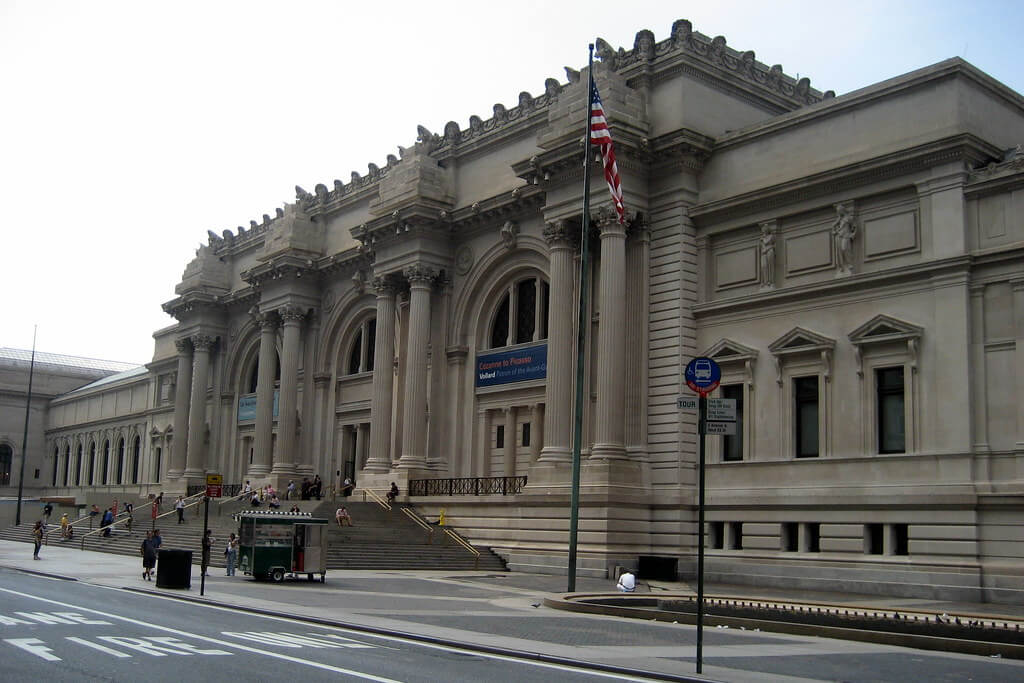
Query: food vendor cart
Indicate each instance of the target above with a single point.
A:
(275, 544)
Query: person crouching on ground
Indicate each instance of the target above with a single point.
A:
(627, 582)
(343, 517)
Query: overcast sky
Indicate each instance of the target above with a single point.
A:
(128, 129)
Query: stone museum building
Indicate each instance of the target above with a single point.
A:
(854, 263)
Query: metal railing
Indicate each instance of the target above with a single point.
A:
(226, 490)
(468, 486)
(46, 534)
(422, 523)
(459, 540)
(376, 498)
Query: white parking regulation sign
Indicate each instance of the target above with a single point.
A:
(726, 428)
(722, 409)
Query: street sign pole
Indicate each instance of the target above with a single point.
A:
(206, 526)
(702, 409)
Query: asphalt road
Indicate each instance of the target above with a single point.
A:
(57, 630)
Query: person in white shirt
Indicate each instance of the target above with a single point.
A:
(627, 582)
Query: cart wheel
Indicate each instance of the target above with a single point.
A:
(277, 575)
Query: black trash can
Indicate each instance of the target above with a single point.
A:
(174, 569)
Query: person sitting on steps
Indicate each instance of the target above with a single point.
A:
(393, 493)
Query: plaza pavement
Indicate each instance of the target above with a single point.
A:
(505, 610)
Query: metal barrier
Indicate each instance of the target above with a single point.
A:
(422, 523)
(459, 540)
(469, 486)
(376, 498)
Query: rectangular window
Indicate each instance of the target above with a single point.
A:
(813, 537)
(790, 537)
(805, 394)
(716, 535)
(901, 539)
(732, 446)
(891, 417)
(735, 535)
(526, 434)
(874, 541)
(499, 439)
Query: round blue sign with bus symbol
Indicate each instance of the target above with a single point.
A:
(702, 375)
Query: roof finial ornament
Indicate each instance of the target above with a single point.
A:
(572, 74)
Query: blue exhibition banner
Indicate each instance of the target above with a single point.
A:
(519, 365)
(247, 407)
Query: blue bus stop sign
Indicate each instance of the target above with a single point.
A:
(702, 375)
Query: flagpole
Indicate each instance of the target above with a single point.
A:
(581, 335)
(24, 436)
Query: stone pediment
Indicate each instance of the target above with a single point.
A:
(884, 328)
(727, 351)
(800, 340)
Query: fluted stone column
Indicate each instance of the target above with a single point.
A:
(263, 444)
(482, 467)
(558, 416)
(195, 462)
(510, 441)
(379, 459)
(536, 430)
(637, 250)
(414, 420)
(288, 400)
(182, 396)
(362, 435)
(609, 427)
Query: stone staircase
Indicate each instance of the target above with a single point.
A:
(379, 539)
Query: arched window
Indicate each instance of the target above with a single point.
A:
(92, 464)
(360, 357)
(135, 460)
(78, 466)
(6, 463)
(522, 314)
(67, 465)
(157, 465)
(56, 464)
(254, 376)
(120, 461)
(106, 462)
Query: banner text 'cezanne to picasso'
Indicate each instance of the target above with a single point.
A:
(519, 365)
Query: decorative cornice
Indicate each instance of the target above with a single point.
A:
(285, 266)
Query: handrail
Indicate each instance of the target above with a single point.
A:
(423, 524)
(465, 544)
(376, 498)
(99, 529)
(46, 534)
(198, 498)
(230, 499)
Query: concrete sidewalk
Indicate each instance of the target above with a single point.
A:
(505, 610)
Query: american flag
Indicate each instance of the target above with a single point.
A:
(600, 135)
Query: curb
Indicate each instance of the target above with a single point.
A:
(921, 642)
(437, 640)
(34, 572)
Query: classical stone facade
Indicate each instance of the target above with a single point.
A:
(853, 263)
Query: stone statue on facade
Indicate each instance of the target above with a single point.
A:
(844, 231)
(767, 250)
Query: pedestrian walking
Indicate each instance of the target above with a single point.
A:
(157, 539)
(37, 538)
(179, 505)
(47, 511)
(290, 491)
(207, 546)
(65, 524)
(316, 488)
(105, 523)
(148, 550)
(231, 553)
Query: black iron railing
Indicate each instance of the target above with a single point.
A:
(468, 486)
(194, 489)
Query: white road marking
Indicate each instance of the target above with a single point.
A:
(102, 648)
(275, 655)
(34, 646)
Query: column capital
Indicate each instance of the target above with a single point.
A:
(420, 275)
(385, 286)
(558, 234)
(292, 315)
(203, 342)
(184, 345)
(607, 221)
(266, 321)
